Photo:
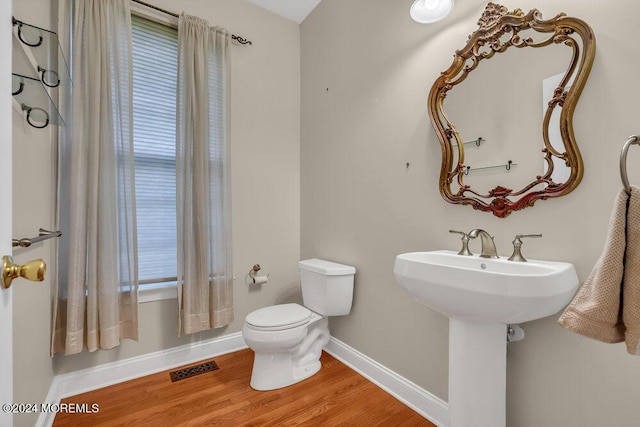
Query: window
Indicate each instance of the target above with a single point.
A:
(155, 65)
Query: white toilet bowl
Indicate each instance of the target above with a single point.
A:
(287, 340)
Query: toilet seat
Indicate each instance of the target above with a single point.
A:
(278, 317)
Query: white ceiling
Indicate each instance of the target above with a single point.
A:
(295, 10)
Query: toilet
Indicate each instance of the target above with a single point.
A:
(287, 339)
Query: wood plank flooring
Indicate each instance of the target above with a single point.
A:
(336, 396)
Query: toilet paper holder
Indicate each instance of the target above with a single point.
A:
(255, 279)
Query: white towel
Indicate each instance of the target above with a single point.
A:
(597, 310)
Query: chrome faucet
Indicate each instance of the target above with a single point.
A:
(517, 244)
(465, 243)
(488, 245)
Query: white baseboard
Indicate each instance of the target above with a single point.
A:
(420, 400)
(85, 380)
(82, 381)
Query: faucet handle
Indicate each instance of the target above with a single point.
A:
(465, 242)
(517, 244)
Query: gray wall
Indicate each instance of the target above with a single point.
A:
(265, 134)
(33, 207)
(366, 73)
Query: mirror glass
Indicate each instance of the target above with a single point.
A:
(503, 110)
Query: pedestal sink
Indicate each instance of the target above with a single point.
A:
(481, 296)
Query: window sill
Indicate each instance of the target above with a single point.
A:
(157, 293)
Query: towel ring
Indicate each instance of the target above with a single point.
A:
(633, 140)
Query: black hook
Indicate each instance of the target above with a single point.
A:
(44, 81)
(508, 165)
(20, 24)
(20, 89)
(29, 110)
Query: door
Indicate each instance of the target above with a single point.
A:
(6, 114)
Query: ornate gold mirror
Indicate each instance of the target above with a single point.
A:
(497, 143)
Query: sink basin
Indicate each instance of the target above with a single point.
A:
(481, 296)
(477, 289)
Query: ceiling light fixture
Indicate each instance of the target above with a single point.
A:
(428, 11)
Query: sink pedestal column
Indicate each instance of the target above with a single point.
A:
(477, 374)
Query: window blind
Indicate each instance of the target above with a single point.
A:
(155, 64)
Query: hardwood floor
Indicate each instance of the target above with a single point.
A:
(336, 396)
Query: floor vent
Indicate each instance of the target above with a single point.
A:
(192, 371)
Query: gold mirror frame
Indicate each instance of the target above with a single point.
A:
(495, 26)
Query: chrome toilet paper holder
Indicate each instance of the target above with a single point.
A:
(255, 279)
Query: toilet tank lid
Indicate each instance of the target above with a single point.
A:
(327, 268)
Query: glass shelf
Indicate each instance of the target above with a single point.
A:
(476, 142)
(35, 102)
(44, 46)
(40, 77)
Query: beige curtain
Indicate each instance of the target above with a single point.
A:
(205, 292)
(96, 293)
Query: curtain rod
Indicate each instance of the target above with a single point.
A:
(239, 39)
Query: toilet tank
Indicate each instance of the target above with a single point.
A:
(327, 287)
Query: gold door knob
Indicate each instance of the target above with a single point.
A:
(33, 270)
